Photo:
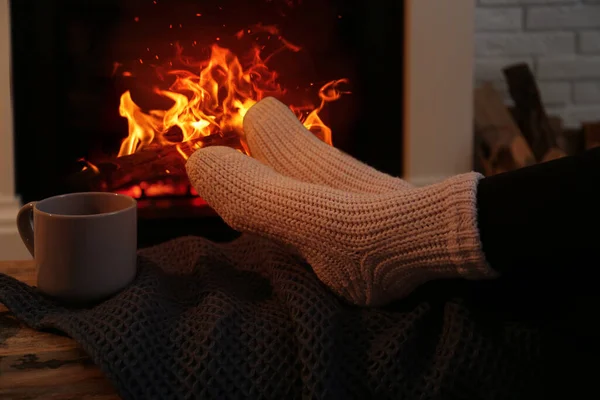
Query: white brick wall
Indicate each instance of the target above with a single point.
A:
(559, 39)
(589, 42)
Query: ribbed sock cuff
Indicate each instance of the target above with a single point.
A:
(464, 243)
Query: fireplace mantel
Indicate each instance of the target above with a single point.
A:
(438, 129)
(438, 103)
(11, 246)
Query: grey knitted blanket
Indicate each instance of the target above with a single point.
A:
(248, 319)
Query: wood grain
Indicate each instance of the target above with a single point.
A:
(530, 114)
(496, 130)
(591, 133)
(39, 365)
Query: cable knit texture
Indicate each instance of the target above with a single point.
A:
(278, 139)
(369, 248)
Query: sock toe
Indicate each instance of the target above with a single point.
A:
(275, 136)
(223, 176)
(248, 195)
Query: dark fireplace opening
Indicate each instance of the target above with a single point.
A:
(114, 95)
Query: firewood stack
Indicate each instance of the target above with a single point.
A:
(512, 138)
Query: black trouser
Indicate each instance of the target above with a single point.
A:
(540, 227)
(543, 219)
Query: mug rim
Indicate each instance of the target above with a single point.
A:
(133, 204)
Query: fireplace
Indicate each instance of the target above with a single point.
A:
(90, 76)
(137, 86)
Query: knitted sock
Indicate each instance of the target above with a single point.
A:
(369, 248)
(278, 139)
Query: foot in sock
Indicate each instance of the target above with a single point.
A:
(368, 247)
(278, 139)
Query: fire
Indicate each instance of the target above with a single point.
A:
(88, 165)
(210, 97)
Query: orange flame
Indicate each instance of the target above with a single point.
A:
(88, 165)
(211, 97)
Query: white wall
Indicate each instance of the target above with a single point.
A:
(11, 247)
(439, 98)
(559, 39)
(7, 185)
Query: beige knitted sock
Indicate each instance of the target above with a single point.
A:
(370, 248)
(277, 138)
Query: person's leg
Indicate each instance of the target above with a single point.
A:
(276, 138)
(544, 218)
(527, 218)
(540, 227)
(372, 239)
(370, 248)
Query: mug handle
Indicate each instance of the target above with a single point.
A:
(25, 225)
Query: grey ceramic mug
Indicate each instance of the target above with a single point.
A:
(84, 244)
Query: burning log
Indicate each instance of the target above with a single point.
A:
(530, 114)
(152, 163)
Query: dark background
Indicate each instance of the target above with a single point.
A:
(66, 96)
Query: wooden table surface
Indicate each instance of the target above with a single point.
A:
(35, 365)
